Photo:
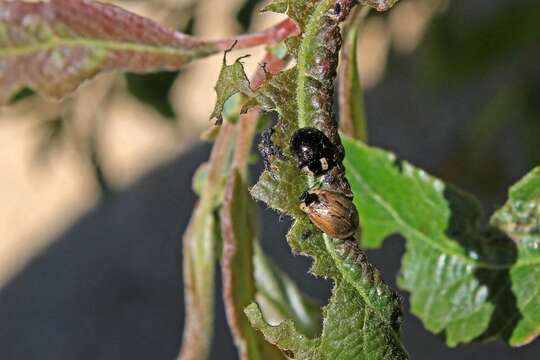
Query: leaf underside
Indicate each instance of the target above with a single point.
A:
(238, 269)
(468, 281)
(352, 117)
(52, 47)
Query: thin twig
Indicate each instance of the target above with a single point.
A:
(274, 34)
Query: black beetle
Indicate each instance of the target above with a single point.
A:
(313, 151)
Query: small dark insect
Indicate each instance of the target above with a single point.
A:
(341, 9)
(289, 354)
(268, 149)
(313, 151)
(337, 8)
(332, 212)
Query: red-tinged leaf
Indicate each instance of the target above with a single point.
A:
(238, 270)
(52, 47)
(352, 117)
(200, 243)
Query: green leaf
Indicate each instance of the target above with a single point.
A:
(244, 16)
(232, 80)
(153, 90)
(232, 107)
(198, 265)
(464, 279)
(520, 219)
(451, 48)
(352, 330)
(200, 179)
(296, 10)
(395, 197)
(238, 270)
(25, 93)
(280, 299)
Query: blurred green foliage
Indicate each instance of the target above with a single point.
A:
(464, 45)
(153, 90)
(21, 95)
(487, 54)
(244, 15)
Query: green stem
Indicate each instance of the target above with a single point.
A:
(305, 56)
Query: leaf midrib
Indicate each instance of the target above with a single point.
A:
(331, 249)
(309, 34)
(60, 42)
(419, 234)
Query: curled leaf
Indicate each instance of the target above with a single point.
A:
(199, 252)
(280, 299)
(238, 270)
(352, 117)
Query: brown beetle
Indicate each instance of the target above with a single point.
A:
(332, 212)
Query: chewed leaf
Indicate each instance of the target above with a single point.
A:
(446, 291)
(468, 281)
(232, 80)
(299, 11)
(285, 336)
(353, 329)
(54, 46)
(275, 94)
(280, 299)
(362, 318)
(520, 219)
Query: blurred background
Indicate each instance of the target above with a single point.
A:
(96, 190)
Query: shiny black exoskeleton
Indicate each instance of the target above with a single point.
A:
(313, 151)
